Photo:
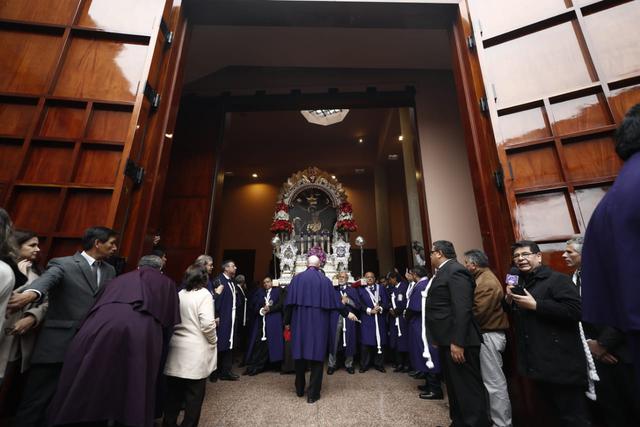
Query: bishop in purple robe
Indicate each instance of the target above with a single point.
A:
(373, 330)
(398, 333)
(343, 337)
(609, 279)
(267, 343)
(310, 300)
(112, 366)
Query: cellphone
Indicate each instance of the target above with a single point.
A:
(518, 290)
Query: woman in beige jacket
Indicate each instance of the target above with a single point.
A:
(192, 350)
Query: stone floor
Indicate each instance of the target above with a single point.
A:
(371, 398)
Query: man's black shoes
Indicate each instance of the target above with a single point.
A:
(429, 395)
(330, 370)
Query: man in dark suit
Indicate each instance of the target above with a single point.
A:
(72, 284)
(450, 325)
(226, 308)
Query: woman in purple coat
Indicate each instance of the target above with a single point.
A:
(267, 343)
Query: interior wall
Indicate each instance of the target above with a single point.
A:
(450, 200)
(247, 213)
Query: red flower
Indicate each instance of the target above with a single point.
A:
(347, 225)
(346, 207)
(282, 207)
(281, 225)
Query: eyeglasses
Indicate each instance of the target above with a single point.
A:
(523, 255)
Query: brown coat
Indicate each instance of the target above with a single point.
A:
(487, 302)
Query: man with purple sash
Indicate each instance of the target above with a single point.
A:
(424, 355)
(310, 299)
(266, 344)
(226, 305)
(373, 330)
(342, 338)
(398, 334)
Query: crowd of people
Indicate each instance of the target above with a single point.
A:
(82, 346)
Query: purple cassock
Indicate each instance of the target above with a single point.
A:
(269, 326)
(373, 330)
(398, 334)
(417, 333)
(226, 305)
(311, 297)
(349, 329)
(112, 365)
(609, 276)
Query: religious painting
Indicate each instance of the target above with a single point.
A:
(312, 212)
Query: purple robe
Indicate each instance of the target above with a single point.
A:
(415, 303)
(112, 365)
(368, 327)
(273, 324)
(224, 304)
(352, 339)
(398, 341)
(311, 297)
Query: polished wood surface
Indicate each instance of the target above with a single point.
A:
(524, 126)
(15, 117)
(9, 155)
(108, 125)
(83, 208)
(98, 165)
(534, 167)
(31, 208)
(62, 121)
(591, 158)
(544, 216)
(48, 162)
(40, 11)
(584, 113)
(622, 99)
(28, 60)
(122, 16)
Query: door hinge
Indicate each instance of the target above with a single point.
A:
(135, 172)
(152, 95)
(498, 178)
(471, 42)
(484, 105)
(168, 34)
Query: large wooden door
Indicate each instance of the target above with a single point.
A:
(558, 78)
(73, 113)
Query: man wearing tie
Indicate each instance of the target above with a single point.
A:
(72, 284)
(451, 325)
(226, 308)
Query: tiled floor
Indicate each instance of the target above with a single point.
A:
(371, 398)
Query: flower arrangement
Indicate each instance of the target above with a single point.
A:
(345, 221)
(281, 221)
(317, 251)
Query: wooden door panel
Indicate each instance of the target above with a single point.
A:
(108, 124)
(592, 158)
(83, 209)
(16, 116)
(63, 121)
(34, 208)
(580, 114)
(121, 16)
(534, 167)
(39, 10)
(9, 154)
(524, 126)
(48, 162)
(544, 217)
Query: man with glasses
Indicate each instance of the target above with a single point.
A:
(546, 309)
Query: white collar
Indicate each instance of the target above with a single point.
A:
(88, 257)
(443, 263)
(227, 277)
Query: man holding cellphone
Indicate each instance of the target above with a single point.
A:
(546, 309)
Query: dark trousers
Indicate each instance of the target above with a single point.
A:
(41, 385)
(467, 395)
(189, 392)
(259, 356)
(568, 403)
(401, 358)
(433, 382)
(315, 380)
(225, 361)
(617, 395)
(368, 353)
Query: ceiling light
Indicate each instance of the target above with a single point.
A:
(360, 140)
(393, 157)
(254, 175)
(168, 135)
(325, 117)
(333, 176)
(400, 138)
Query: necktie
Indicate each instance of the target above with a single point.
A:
(578, 279)
(94, 269)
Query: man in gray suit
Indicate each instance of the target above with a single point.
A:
(72, 284)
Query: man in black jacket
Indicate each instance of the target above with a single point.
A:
(546, 308)
(451, 325)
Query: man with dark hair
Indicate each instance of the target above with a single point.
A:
(450, 325)
(72, 284)
(546, 309)
(398, 333)
(610, 291)
(493, 321)
(373, 330)
(226, 305)
(160, 252)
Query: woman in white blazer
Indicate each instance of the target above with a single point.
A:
(192, 350)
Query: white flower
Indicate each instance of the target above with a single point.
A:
(282, 215)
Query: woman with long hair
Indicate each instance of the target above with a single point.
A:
(192, 350)
(7, 276)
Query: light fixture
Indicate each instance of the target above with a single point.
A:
(360, 140)
(333, 176)
(400, 138)
(168, 135)
(393, 157)
(325, 117)
(254, 175)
